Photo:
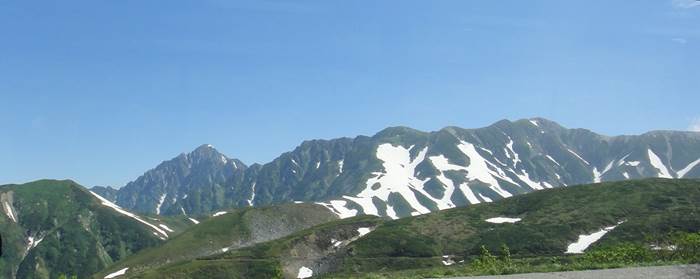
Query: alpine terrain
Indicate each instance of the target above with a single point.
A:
(403, 172)
(51, 228)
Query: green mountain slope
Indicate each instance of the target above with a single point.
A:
(642, 212)
(51, 228)
(232, 230)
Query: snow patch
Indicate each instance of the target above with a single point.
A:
(478, 169)
(224, 250)
(398, 177)
(341, 164)
(552, 159)
(586, 240)
(534, 123)
(363, 231)
(252, 194)
(166, 228)
(578, 156)
(118, 273)
(501, 220)
(109, 204)
(219, 213)
(194, 221)
(305, 272)
(318, 164)
(339, 208)
(447, 261)
(485, 198)
(656, 163)
(160, 203)
(687, 169)
(9, 211)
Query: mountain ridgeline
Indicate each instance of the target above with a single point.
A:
(402, 172)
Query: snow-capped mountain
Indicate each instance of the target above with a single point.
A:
(401, 172)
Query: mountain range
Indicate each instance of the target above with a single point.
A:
(402, 172)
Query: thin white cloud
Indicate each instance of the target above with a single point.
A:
(686, 4)
(695, 125)
(680, 40)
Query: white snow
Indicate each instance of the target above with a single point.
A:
(485, 198)
(478, 170)
(8, 211)
(336, 243)
(118, 273)
(656, 162)
(166, 228)
(633, 163)
(684, 171)
(363, 231)
(534, 123)
(318, 164)
(552, 159)
(219, 213)
(305, 272)
(622, 160)
(224, 160)
(224, 250)
(516, 157)
(160, 203)
(578, 156)
(194, 220)
(116, 208)
(442, 164)
(626, 175)
(398, 177)
(391, 213)
(597, 175)
(185, 196)
(338, 207)
(252, 195)
(294, 162)
(298, 202)
(501, 220)
(586, 240)
(447, 261)
(183, 210)
(341, 164)
(32, 243)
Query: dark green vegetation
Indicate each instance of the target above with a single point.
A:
(656, 212)
(526, 155)
(236, 229)
(59, 228)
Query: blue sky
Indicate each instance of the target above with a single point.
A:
(101, 91)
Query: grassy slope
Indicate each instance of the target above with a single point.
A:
(238, 228)
(79, 235)
(551, 220)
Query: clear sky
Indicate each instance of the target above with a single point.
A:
(102, 91)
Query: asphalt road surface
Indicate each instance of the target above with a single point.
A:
(655, 272)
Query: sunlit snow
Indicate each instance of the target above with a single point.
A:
(305, 272)
(363, 231)
(501, 220)
(9, 212)
(656, 162)
(684, 171)
(586, 240)
(219, 213)
(193, 221)
(109, 204)
(160, 203)
(116, 274)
